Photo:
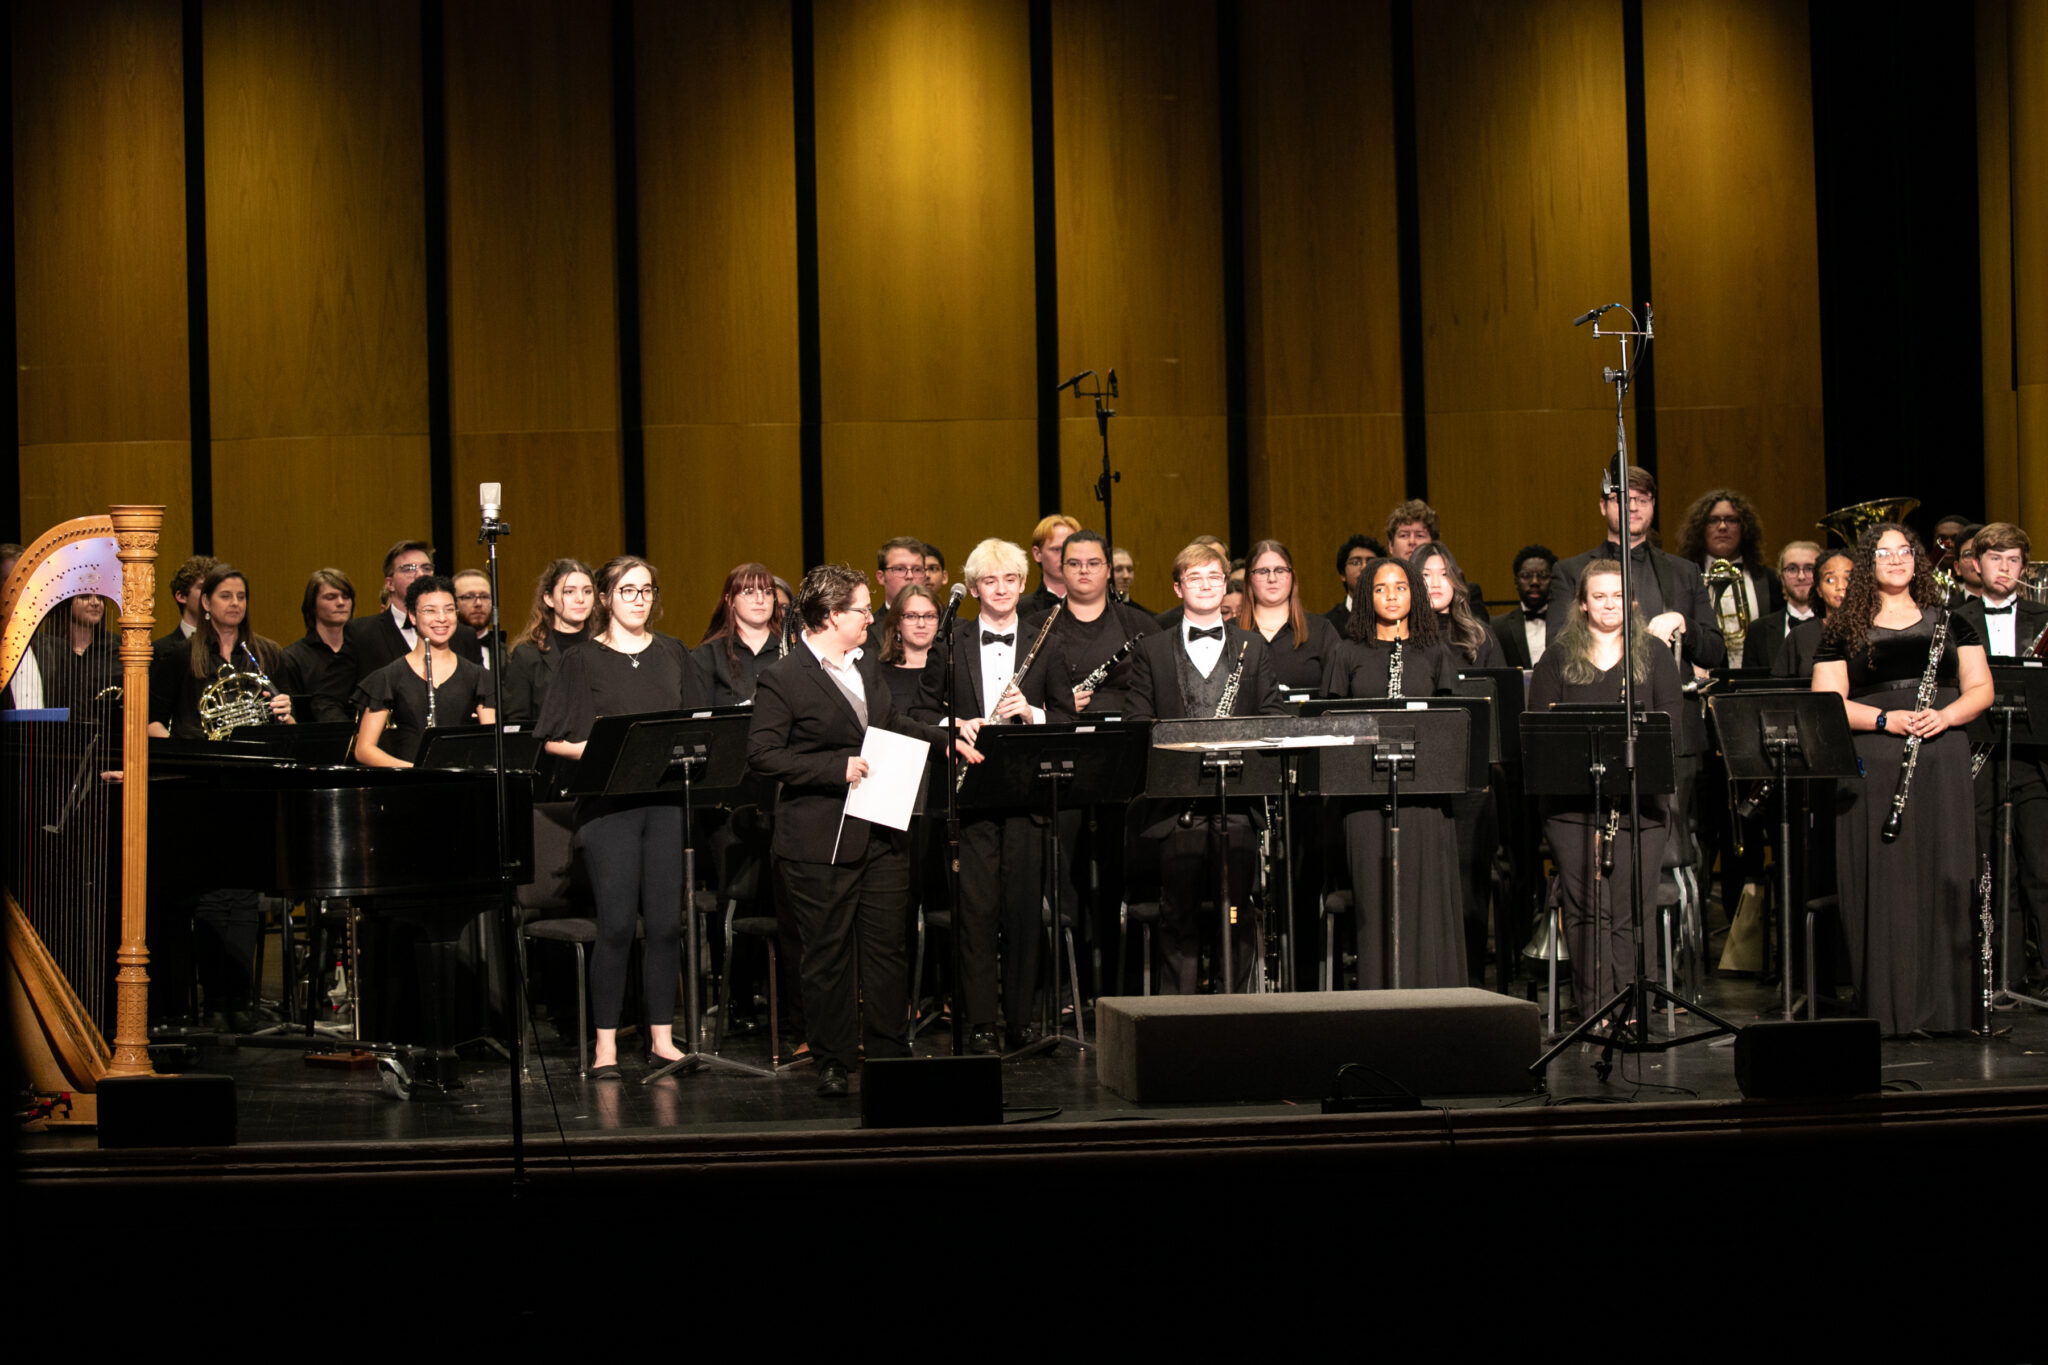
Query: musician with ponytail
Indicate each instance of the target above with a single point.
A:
(1912, 673)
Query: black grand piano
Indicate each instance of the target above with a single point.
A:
(413, 853)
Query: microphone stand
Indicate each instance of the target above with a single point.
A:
(953, 762)
(1104, 485)
(488, 537)
(1627, 1015)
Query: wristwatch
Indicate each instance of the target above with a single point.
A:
(1880, 719)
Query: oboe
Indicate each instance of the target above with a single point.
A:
(1984, 958)
(1223, 705)
(1921, 701)
(1394, 666)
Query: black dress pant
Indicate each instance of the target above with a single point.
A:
(1187, 877)
(854, 965)
(1002, 864)
(635, 857)
(2029, 857)
(225, 924)
(1603, 949)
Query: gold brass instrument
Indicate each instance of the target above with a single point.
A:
(240, 697)
(2034, 582)
(1725, 575)
(1849, 523)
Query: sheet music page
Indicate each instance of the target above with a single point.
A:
(888, 794)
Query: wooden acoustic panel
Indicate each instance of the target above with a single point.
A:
(952, 483)
(1532, 478)
(717, 191)
(1994, 261)
(85, 478)
(1138, 195)
(1522, 174)
(1735, 255)
(1318, 480)
(99, 226)
(926, 303)
(1174, 488)
(561, 498)
(532, 326)
(1322, 303)
(2028, 97)
(316, 272)
(717, 496)
(285, 507)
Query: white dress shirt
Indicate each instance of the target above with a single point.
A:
(1205, 653)
(2001, 633)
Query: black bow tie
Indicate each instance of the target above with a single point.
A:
(1537, 615)
(2006, 610)
(1212, 633)
(989, 637)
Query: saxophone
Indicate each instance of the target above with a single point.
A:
(1922, 699)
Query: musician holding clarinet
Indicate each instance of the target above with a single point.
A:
(1913, 673)
(999, 677)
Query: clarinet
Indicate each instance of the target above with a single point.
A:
(1394, 671)
(1921, 700)
(1101, 674)
(1223, 705)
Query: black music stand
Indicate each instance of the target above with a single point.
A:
(2019, 710)
(1569, 752)
(1785, 736)
(1096, 764)
(1196, 759)
(308, 742)
(1433, 746)
(474, 748)
(696, 753)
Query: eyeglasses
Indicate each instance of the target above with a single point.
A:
(410, 570)
(1797, 571)
(1885, 554)
(867, 612)
(921, 618)
(1273, 571)
(1205, 580)
(636, 593)
(755, 594)
(472, 597)
(1088, 565)
(1724, 521)
(433, 613)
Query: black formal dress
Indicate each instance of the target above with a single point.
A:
(1909, 907)
(530, 674)
(1478, 826)
(1299, 665)
(846, 880)
(1167, 684)
(320, 679)
(1602, 963)
(1431, 931)
(411, 701)
(632, 845)
(1002, 862)
(378, 639)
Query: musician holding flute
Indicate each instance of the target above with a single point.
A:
(1001, 862)
(1913, 673)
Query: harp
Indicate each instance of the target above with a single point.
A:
(75, 847)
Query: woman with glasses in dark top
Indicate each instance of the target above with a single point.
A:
(633, 845)
(907, 634)
(1302, 645)
(745, 636)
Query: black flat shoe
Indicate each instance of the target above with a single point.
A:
(832, 1080)
(608, 1072)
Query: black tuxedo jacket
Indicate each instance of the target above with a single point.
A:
(1155, 676)
(1514, 643)
(1765, 637)
(802, 732)
(930, 705)
(377, 640)
(2028, 620)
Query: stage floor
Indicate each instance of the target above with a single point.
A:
(285, 1098)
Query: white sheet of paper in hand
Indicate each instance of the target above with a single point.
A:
(888, 794)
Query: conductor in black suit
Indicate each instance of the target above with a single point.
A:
(1186, 672)
(388, 635)
(847, 881)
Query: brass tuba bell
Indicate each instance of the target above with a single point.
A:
(1849, 523)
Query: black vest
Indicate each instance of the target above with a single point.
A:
(1198, 694)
